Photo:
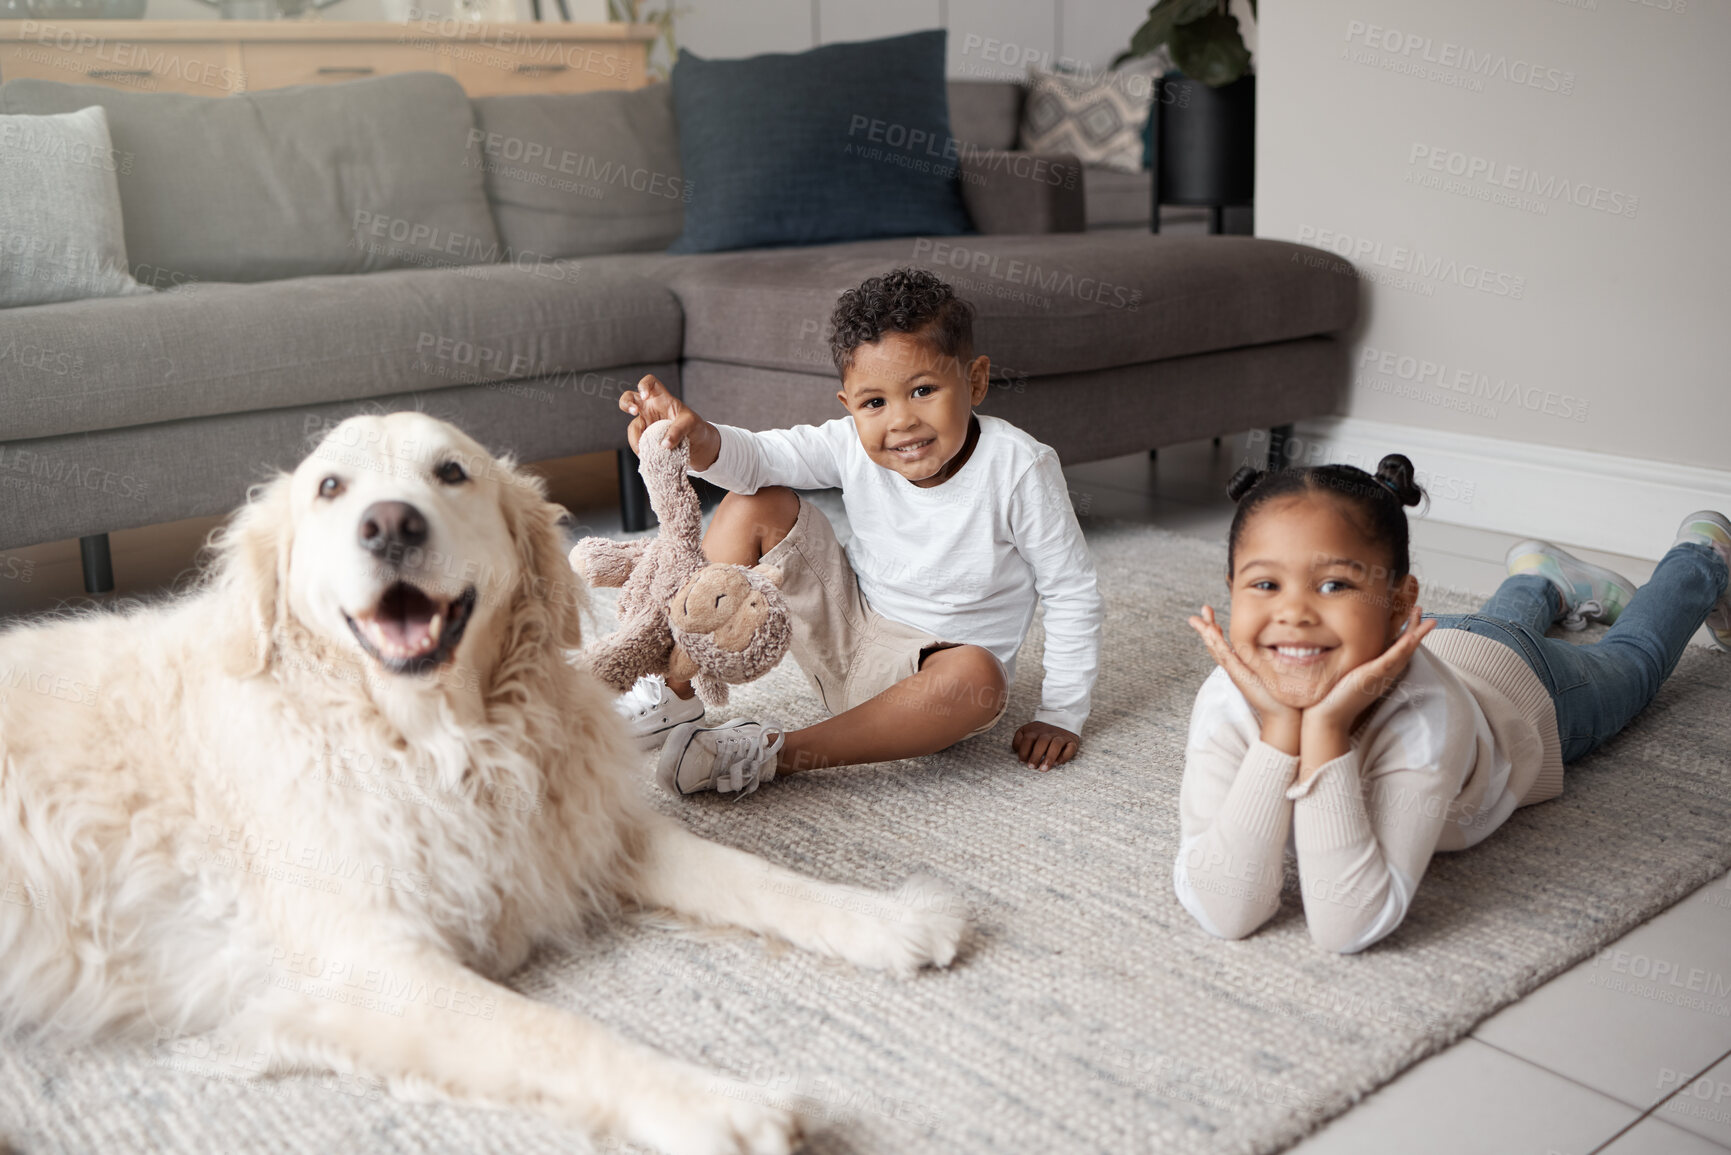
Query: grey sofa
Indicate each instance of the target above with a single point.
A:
(390, 243)
(991, 113)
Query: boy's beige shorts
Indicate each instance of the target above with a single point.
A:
(850, 653)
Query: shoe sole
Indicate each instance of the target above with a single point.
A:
(648, 741)
(673, 752)
(652, 739)
(1601, 575)
(1719, 617)
(1711, 515)
(667, 766)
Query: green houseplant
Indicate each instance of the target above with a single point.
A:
(665, 50)
(1201, 36)
(1201, 132)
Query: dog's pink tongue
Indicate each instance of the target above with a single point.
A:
(407, 624)
(407, 639)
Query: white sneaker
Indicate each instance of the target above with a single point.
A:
(1590, 593)
(1713, 529)
(651, 711)
(735, 757)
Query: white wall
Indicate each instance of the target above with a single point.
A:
(1498, 307)
(1090, 32)
(988, 38)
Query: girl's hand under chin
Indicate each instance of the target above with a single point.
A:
(1280, 723)
(1326, 732)
(1361, 688)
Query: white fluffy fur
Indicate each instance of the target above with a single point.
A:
(209, 804)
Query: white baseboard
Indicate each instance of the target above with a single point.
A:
(1622, 505)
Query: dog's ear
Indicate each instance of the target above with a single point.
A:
(549, 587)
(251, 578)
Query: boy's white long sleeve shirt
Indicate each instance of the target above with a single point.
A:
(965, 561)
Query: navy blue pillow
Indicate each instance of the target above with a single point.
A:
(840, 143)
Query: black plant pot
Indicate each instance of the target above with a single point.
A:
(1203, 144)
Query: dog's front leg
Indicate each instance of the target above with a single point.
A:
(431, 1025)
(919, 925)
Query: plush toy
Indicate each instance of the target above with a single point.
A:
(679, 614)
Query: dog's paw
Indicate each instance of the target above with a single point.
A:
(728, 1120)
(934, 925)
(919, 925)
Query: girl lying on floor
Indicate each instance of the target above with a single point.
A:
(1345, 726)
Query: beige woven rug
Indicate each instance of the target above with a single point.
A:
(1089, 1013)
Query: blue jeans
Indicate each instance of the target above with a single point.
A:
(1598, 688)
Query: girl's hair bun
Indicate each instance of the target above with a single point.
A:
(1395, 471)
(1367, 493)
(1244, 481)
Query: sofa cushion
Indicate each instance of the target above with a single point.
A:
(207, 348)
(570, 174)
(1046, 304)
(841, 142)
(115, 479)
(1023, 192)
(344, 178)
(1131, 408)
(1117, 199)
(986, 113)
(61, 236)
(1097, 119)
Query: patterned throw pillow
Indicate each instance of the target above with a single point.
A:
(1098, 119)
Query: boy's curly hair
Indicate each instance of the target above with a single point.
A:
(901, 301)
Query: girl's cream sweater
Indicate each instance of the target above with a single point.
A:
(1465, 736)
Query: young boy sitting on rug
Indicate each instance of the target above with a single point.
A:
(960, 523)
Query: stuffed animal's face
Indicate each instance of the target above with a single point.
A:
(731, 621)
(720, 601)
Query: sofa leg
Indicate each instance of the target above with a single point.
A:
(98, 566)
(633, 494)
(1278, 436)
(1153, 455)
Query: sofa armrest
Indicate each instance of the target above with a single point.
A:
(1023, 192)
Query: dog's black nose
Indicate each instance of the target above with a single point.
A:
(390, 527)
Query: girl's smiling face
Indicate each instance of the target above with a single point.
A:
(1312, 597)
(912, 405)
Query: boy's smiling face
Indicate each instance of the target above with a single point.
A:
(912, 405)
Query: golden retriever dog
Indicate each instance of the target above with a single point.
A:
(190, 810)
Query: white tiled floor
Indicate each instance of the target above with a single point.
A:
(1475, 1099)
(1639, 1017)
(1655, 1137)
(1604, 1057)
(1628, 1053)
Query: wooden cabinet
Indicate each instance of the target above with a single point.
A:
(202, 67)
(278, 65)
(502, 71)
(500, 65)
(220, 57)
